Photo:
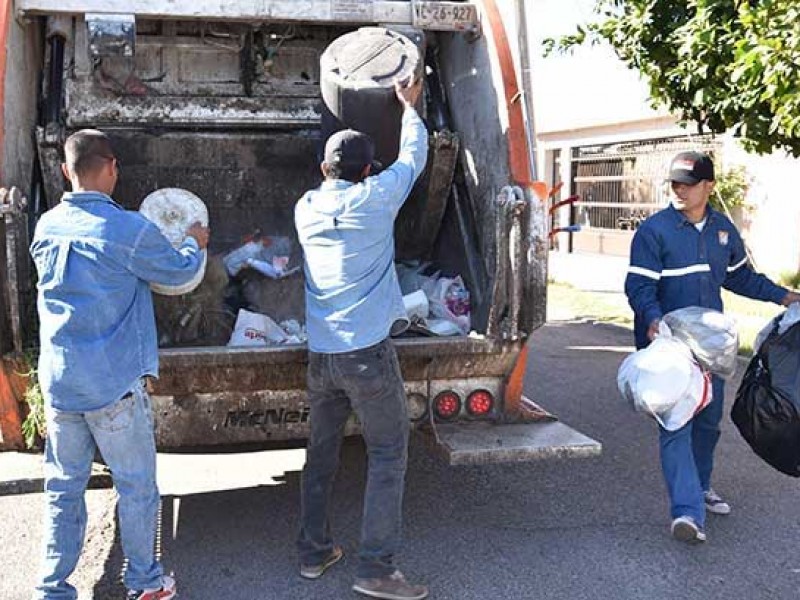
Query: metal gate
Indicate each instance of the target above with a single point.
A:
(622, 184)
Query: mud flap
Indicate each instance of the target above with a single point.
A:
(487, 443)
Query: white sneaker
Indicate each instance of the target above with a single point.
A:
(684, 529)
(167, 591)
(715, 504)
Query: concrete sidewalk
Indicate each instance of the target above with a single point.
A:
(21, 473)
(590, 272)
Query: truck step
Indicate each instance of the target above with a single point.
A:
(486, 443)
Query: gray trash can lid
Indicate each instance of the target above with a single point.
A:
(370, 57)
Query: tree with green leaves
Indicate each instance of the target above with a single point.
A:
(726, 65)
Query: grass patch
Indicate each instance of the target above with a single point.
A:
(790, 280)
(751, 317)
(565, 302)
(33, 427)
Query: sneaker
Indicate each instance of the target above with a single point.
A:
(715, 504)
(684, 529)
(391, 587)
(165, 592)
(316, 571)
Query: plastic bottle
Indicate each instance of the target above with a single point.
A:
(457, 300)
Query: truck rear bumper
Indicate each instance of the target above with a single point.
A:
(222, 396)
(486, 443)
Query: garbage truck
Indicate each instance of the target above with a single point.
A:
(225, 100)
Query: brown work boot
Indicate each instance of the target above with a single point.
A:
(391, 587)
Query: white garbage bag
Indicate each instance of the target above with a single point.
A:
(711, 335)
(449, 299)
(664, 381)
(267, 254)
(416, 305)
(255, 329)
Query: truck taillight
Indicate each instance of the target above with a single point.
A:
(447, 405)
(480, 403)
(417, 406)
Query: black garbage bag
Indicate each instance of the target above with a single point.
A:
(767, 406)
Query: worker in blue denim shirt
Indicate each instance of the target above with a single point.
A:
(353, 305)
(95, 262)
(683, 256)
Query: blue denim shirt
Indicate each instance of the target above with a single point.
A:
(673, 265)
(347, 232)
(97, 328)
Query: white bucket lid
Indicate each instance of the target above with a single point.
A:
(174, 210)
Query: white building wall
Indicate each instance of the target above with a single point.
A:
(772, 221)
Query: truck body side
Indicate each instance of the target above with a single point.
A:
(223, 99)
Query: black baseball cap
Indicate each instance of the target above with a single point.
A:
(691, 168)
(351, 148)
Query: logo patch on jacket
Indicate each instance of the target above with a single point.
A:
(723, 238)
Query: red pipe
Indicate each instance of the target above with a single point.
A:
(517, 140)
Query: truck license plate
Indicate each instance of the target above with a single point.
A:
(445, 16)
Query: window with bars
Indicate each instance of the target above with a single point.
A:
(622, 184)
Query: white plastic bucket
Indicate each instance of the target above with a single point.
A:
(174, 210)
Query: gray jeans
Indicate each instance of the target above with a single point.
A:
(369, 382)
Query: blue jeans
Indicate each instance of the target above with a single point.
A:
(368, 382)
(687, 457)
(123, 432)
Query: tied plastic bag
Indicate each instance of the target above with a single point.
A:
(416, 305)
(664, 381)
(783, 321)
(449, 300)
(411, 277)
(255, 329)
(711, 336)
(448, 308)
(296, 332)
(268, 255)
(767, 407)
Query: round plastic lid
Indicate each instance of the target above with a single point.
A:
(370, 57)
(174, 210)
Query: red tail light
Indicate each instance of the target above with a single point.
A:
(480, 403)
(447, 405)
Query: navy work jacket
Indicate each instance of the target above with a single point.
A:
(673, 265)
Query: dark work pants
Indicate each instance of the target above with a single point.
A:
(369, 382)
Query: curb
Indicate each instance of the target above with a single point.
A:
(35, 485)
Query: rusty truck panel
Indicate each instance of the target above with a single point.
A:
(223, 99)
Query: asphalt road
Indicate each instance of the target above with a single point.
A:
(558, 530)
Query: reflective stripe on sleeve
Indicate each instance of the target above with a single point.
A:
(701, 268)
(644, 272)
(737, 265)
